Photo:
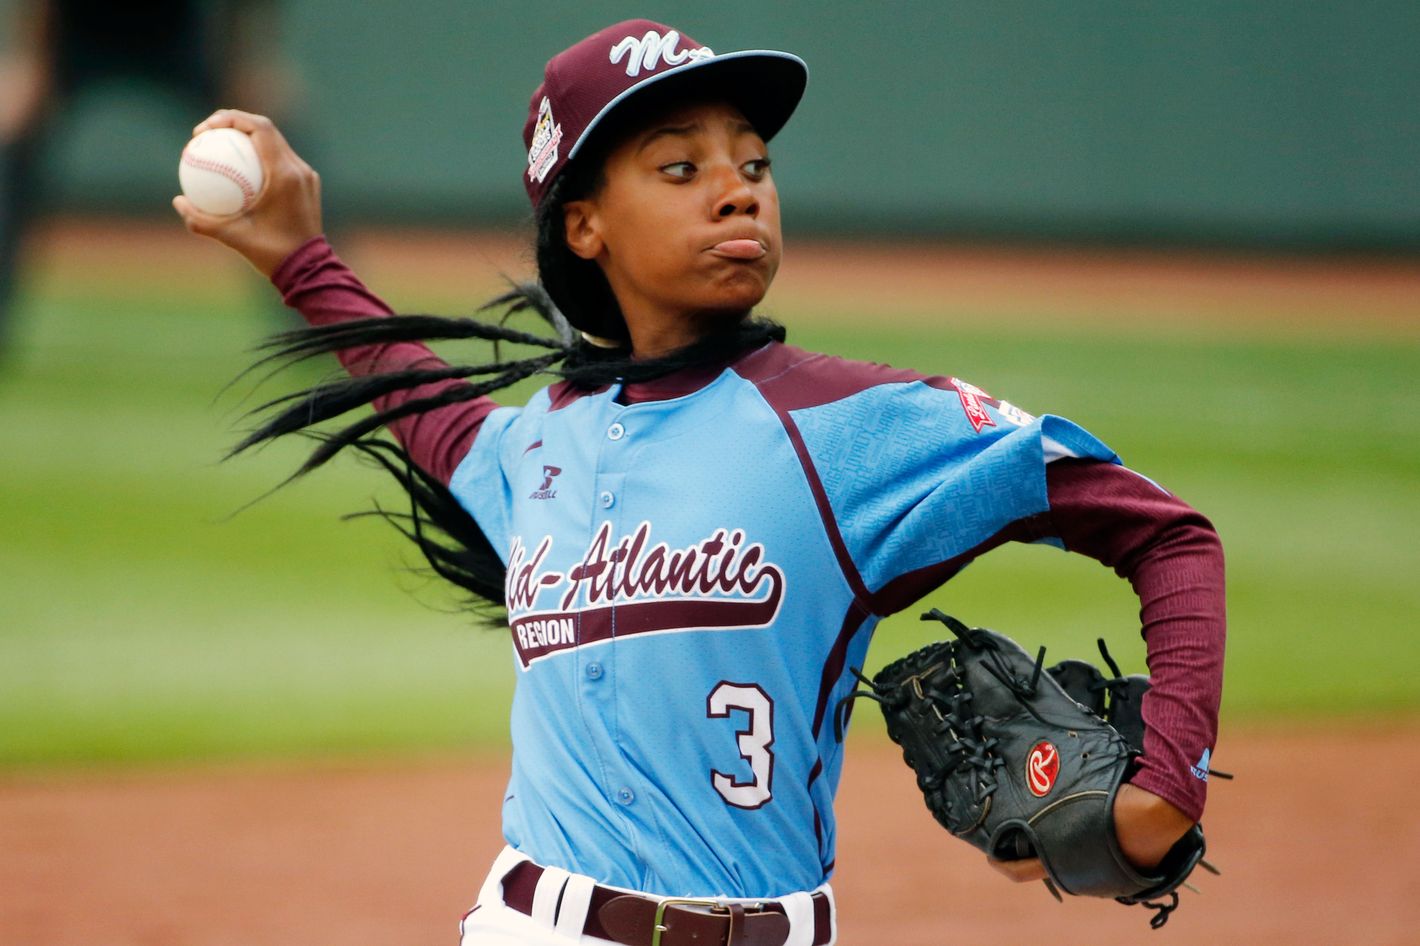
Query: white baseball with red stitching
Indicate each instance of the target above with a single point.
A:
(220, 172)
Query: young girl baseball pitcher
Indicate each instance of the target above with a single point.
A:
(694, 531)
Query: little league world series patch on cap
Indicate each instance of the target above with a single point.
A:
(616, 67)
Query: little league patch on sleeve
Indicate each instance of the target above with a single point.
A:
(972, 399)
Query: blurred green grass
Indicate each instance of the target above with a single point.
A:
(140, 620)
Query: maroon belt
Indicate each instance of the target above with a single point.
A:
(635, 920)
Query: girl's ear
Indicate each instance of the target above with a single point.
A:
(581, 230)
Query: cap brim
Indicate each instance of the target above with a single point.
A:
(764, 84)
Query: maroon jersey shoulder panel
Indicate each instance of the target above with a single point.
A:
(792, 379)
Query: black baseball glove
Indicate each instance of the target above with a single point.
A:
(1024, 761)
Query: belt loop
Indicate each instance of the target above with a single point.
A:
(737, 925)
(576, 901)
(549, 891)
(799, 908)
(827, 891)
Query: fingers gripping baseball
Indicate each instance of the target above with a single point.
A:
(286, 212)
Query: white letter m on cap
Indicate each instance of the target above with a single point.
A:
(651, 50)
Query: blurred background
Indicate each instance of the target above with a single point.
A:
(1192, 228)
(1262, 123)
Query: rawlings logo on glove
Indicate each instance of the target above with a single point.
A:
(1041, 769)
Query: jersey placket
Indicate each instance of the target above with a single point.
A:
(597, 665)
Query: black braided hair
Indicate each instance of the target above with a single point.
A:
(571, 295)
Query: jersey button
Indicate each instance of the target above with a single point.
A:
(594, 670)
(607, 499)
(625, 796)
(616, 431)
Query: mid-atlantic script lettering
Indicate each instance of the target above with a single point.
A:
(631, 586)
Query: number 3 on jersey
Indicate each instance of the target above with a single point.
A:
(754, 742)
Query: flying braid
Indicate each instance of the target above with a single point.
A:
(440, 527)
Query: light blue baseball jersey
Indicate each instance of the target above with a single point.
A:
(689, 578)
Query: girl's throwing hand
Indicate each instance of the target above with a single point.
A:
(284, 215)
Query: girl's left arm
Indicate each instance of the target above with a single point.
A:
(1173, 558)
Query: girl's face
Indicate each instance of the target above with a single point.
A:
(685, 225)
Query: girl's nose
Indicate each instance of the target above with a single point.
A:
(736, 197)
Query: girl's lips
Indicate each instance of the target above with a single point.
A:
(739, 249)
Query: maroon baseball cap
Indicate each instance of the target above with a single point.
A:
(625, 63)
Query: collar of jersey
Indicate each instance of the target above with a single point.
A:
(680, 384)
(672, 386)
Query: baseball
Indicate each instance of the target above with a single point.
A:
(220, 172)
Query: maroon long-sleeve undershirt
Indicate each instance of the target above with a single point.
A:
(315, 282)
(1167, 551)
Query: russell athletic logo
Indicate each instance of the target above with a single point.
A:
(650, 50)
(722, 582)
(1200, 770)
(545, 491)
(1042, 768)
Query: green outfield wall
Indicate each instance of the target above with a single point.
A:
(1271, 122)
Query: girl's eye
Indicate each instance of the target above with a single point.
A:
(681, 169)
(757, 168)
